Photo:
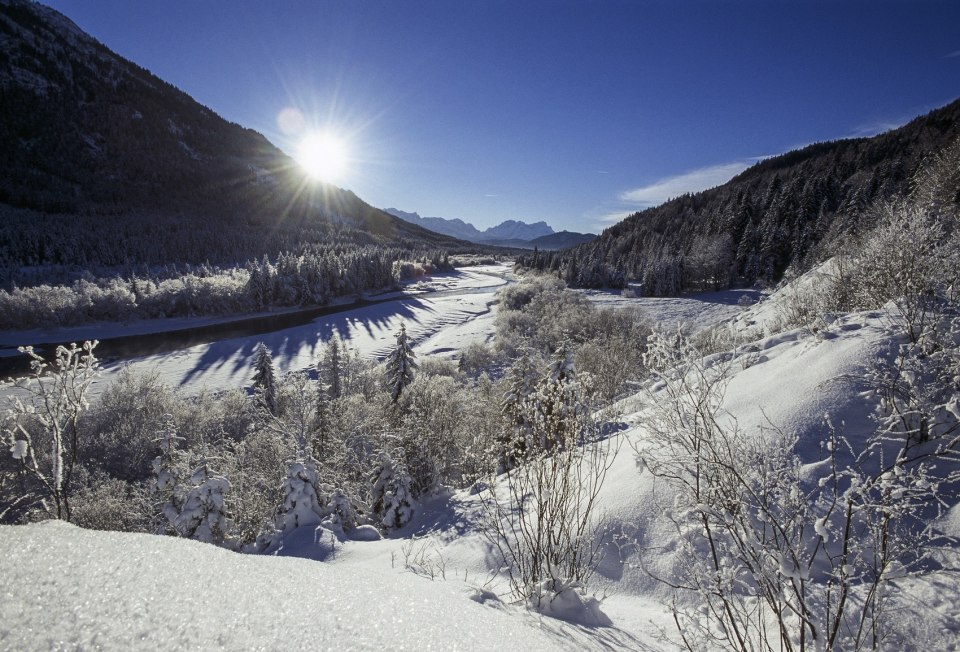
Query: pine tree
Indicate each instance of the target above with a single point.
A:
(321, 420)
(390, 496)
(333, 371)
(189, 504)
(203, 515)
(300, 502)
(400, 365)
(264, 378)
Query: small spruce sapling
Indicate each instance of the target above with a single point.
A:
(390, 496)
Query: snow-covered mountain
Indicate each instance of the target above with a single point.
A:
(511, 233)
(515, 230)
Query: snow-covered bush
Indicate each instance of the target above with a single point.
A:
(43, 430)
(123, 423)
(540, 514)
(911, 258)
(772, 554)
(190, 498)
(391, 498)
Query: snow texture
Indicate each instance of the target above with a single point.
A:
(67, 588)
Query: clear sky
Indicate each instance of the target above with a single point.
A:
(576, 113)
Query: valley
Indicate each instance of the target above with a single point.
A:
(255, 411)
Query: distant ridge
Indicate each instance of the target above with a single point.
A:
(511, 233)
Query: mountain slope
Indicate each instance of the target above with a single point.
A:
(784, 211)
(561, 240)
(127, 164)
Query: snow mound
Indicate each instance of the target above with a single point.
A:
(69, 588)
(567, 601)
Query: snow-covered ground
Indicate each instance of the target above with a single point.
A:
(68, 588)
(696, 311)
(442, 315)
(431, 584)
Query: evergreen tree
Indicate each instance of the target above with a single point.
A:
(390, 495)
(300, 502)
(332, 369)
(203, 514)
(400, 365)
(264, 378)
(321, 420)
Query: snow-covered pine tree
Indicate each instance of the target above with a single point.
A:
(203, 516)
(264, 378)
(300, 502)
(400, 365)
(321, 421)
(333, 370)
(390, 497)
(168, 468)
(188, 506)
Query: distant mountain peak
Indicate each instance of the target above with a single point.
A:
(509, 233)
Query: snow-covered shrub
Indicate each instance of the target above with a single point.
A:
(566, 600)
(107, 503)
(540, 514)
(772, 554)
(253, 466)
(390, 496)
(43, 428)
(475, 358)
(911, 258)
(123, 423)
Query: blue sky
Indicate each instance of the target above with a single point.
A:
(576, 113)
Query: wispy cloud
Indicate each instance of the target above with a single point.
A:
(876, 127)
(611, 218)
(953, 55)
(693, 181)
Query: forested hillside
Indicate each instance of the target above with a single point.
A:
(789, 210)
(104, 164)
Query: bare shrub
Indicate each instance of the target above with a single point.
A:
(540, 515)
(773, 555)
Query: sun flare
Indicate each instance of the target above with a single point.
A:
(323, 156)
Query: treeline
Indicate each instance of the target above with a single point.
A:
(314, 277)
(786, 212)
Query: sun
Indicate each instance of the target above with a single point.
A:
(324, 156)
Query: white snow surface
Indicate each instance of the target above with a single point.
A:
(695, 311)
(68, 588)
